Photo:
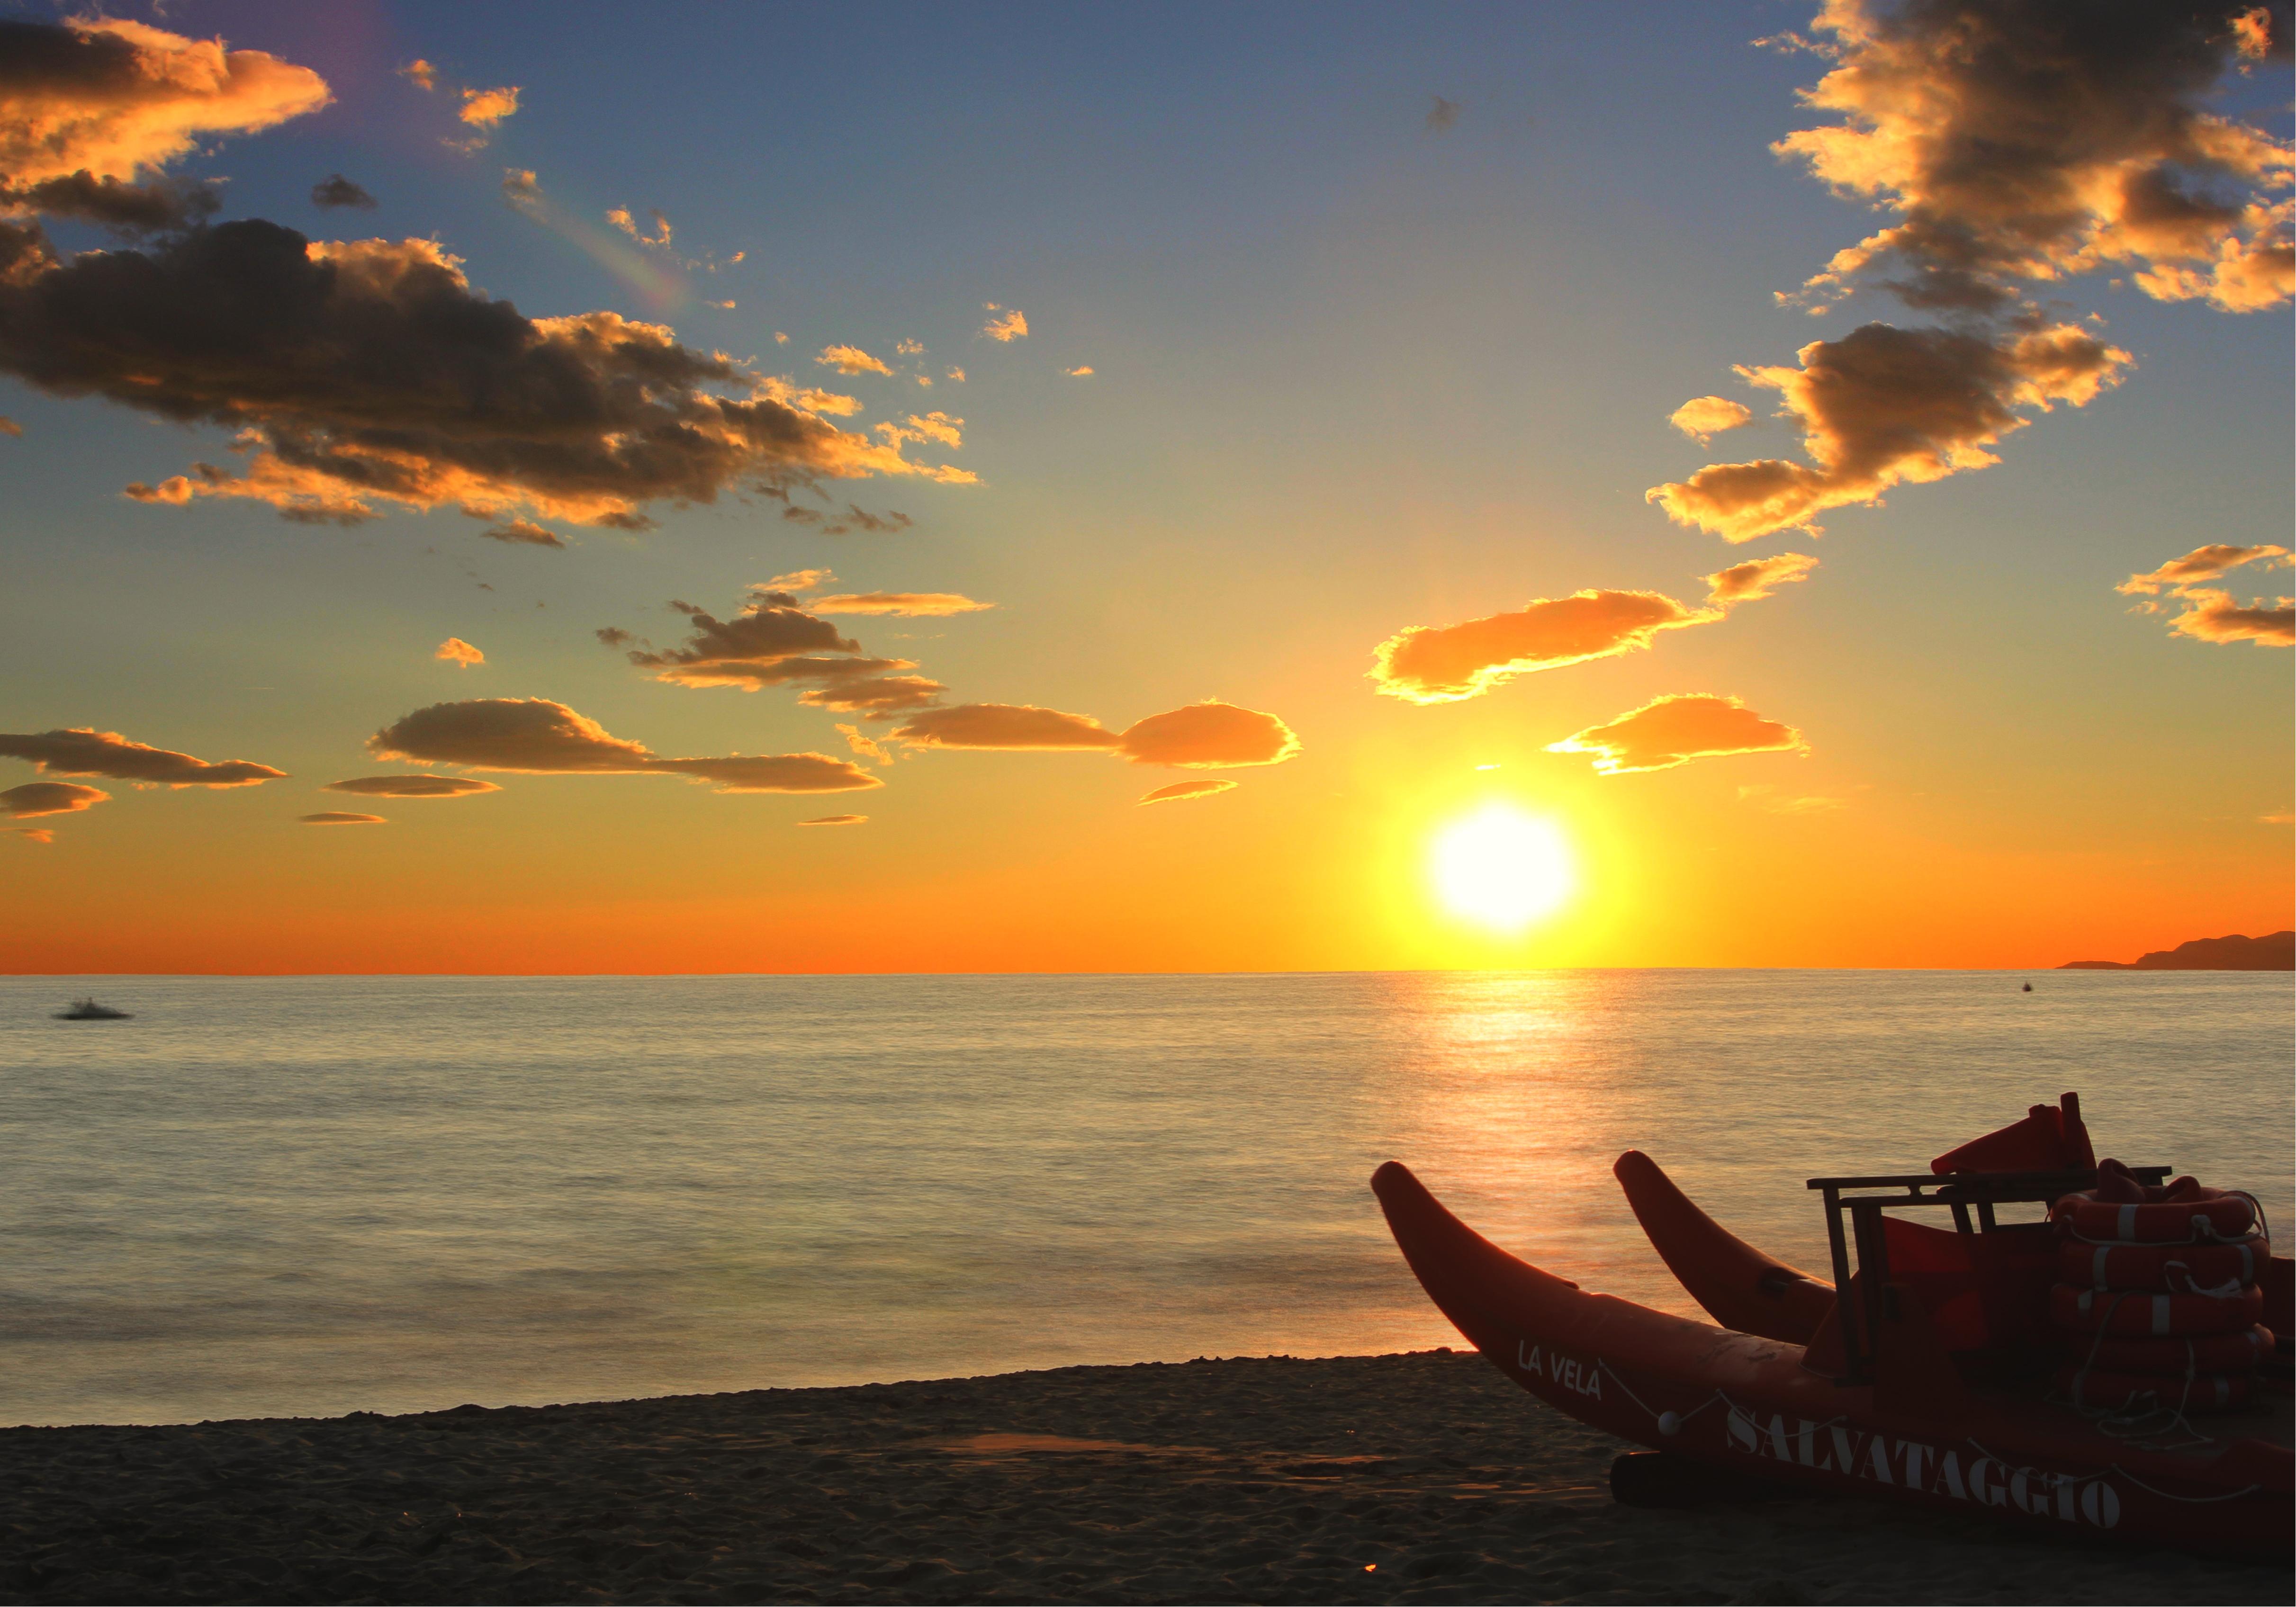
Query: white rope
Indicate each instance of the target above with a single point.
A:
(2189, 1500)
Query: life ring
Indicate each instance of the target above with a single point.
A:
(2172, 1269)
(2126, 1313)
(2237, 1352)
(2139, 1392)
(2184, 1213)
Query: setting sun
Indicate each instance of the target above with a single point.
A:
(1501, 868)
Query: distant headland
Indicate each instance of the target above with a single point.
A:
(2275, 951)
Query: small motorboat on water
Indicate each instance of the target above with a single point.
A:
(2120, 1370)
(88, 1010)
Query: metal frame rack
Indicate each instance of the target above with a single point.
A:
(1958, 1192)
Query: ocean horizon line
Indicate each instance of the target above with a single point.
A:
(1406, 970)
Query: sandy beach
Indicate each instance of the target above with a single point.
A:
(1418, 1478)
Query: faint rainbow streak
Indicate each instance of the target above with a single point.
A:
(662, 289)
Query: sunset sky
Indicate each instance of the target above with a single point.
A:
(568, 489)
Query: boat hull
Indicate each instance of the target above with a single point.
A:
(1741, 1402)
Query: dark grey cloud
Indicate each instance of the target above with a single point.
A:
(336, 191)
(37, 797)
(523, 532)
(773, 641)
(539, 737)
(369, 370)
(1883, 406)
(83, 751)
(1210, 735)
(854, 518)
(413, 786)
(2031, 140)
(125, 208)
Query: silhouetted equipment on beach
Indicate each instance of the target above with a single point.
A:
(88, 1010)
(2121, 1368)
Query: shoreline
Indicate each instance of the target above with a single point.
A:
(1410, 1478)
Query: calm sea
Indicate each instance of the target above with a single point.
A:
(305, 1196)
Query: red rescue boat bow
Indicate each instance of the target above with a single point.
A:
(1753, 1404)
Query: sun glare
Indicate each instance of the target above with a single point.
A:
(1501, 868)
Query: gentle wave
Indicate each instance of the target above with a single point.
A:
(312, 1195)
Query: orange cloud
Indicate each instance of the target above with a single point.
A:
(413, 786)
(1704, 417)
(2215, 617)
(936, 427)
(1443, 664)
(1012, 326)
(421, 74)
(659, 237)
(926, 605)
(112, 99)
(538, 737)
(798, 580)
(1210, 735)
(865, 746)
(456, 651)
(2036, 142)
(339, 817)
(36, 798)
(836, 820)
(1201, 788)
(807, 399)
(2210, 613)
(1676, 728)
(851, 360)
(1884, 406)
(486, 109)
(1082, 371)
(1758, 578)
(2209, 563)
(83, 751)
(1008, 728)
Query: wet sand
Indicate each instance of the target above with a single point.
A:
(1421, 1477)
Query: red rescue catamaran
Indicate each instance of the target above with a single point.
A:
(2103, 1374)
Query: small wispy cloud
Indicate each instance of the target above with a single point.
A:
(1676, 728)
(2211, 613)
(851, 360)
(1200, 787)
